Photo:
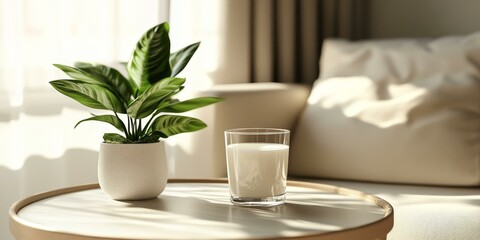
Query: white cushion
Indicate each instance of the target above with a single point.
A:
(422, 213)
(404, 111)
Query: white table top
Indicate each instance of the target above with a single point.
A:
(201, 210)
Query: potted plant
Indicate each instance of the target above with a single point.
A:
(132, 163)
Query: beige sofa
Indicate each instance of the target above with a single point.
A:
(396, 118)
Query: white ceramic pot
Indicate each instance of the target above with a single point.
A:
(132, 171)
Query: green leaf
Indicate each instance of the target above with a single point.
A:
(90, 95)
(148, 102)
(149, 62)
(115, 138)
(152, 137)
(111, 77)
(170, 99)
(173, 124)
(191, 104)
(162, 106)
(79, 74)
(180, 58)
(111, 119)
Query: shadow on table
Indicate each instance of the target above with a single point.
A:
(292, 219)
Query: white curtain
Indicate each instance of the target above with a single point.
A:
(39, 149)
(221, 26)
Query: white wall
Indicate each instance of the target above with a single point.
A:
(423, 18)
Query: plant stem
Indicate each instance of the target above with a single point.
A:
(123, 125)
(129, 134)
(139, 130)
(145, 129)
(135, 129)
(132, 128)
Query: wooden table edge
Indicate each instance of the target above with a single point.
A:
(374, 230)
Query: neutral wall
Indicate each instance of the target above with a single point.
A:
(423, 18)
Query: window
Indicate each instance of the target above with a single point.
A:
(36, 33)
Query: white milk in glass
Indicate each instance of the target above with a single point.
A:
(257, 169)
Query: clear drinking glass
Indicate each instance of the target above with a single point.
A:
(257, 164)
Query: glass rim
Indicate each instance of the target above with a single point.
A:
(257, 131)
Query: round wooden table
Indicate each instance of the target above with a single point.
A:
(201, 209)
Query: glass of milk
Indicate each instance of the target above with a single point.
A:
(257, 164)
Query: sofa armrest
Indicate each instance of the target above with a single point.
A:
(258, 105)
(274, 105)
